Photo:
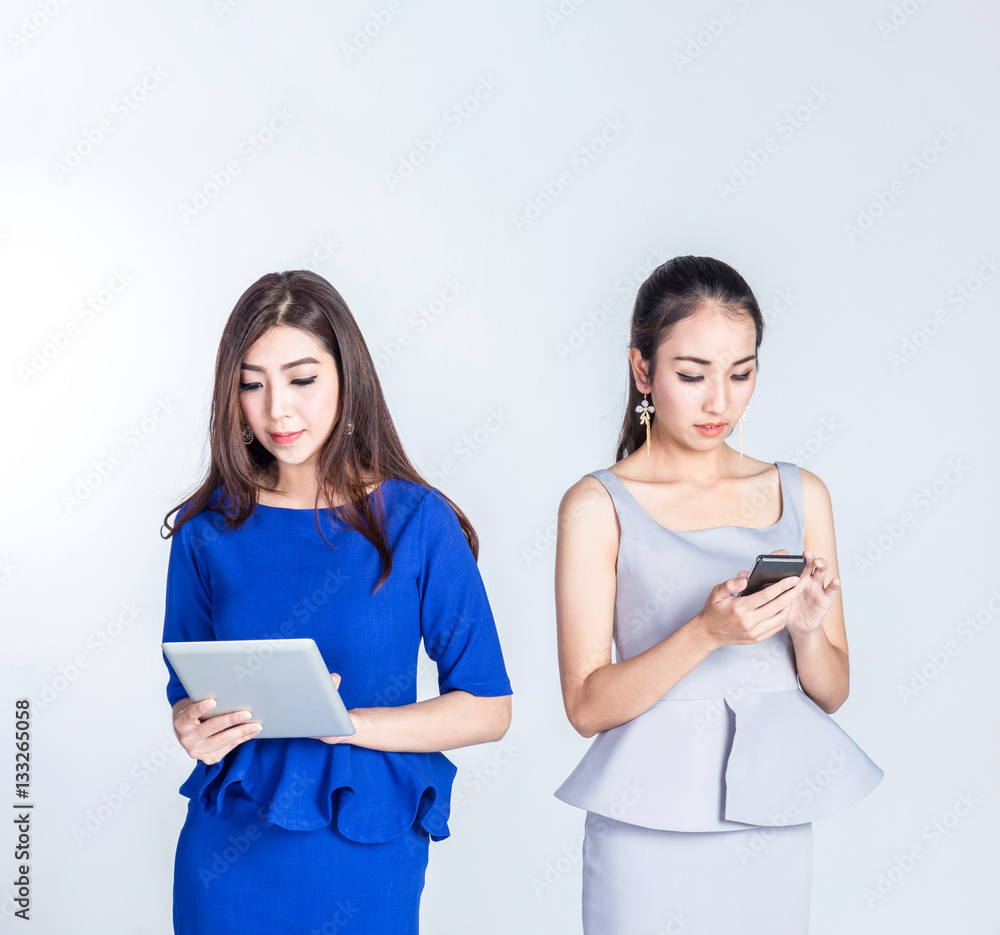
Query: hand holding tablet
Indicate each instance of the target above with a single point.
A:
(209, 739)
(284, 684)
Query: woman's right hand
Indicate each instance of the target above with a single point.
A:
(211, 739)
(726, 620)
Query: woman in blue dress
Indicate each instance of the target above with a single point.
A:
(312, 522)
(714, 748)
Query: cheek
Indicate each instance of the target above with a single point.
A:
(319, 406)
(675, 396)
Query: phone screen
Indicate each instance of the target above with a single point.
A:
(771, 568)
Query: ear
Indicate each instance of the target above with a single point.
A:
(640, 370)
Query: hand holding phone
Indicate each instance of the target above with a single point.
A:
(724, 621)
(768, 569)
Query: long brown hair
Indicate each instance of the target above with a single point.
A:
(675, 290)
(371, 453)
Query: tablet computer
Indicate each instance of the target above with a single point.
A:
(284, 684)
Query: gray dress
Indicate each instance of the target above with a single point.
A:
(699, 810)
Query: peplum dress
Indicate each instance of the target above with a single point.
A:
(699, 810)
(293, 834)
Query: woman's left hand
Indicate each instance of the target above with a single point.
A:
(353, 713)
(813, 601)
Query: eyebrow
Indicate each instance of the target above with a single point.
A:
(698, 360)
(294, 363)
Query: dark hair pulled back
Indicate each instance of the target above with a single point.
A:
(676, 290)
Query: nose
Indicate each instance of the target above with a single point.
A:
(716, 397)
(277, 403)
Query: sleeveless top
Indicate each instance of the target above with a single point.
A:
(736, 742)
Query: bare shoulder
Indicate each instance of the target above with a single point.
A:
(586, 501)
(586, 509)
(813, 489)
(816, 504)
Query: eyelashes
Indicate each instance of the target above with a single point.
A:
(250, 387)
(736, 376)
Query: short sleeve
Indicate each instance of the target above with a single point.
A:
(456, 621)
(188, 607)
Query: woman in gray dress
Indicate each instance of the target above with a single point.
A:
(714, 747)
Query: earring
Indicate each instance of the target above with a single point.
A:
(350, 427)
(743, 419)
(247, 433)
(645, 410)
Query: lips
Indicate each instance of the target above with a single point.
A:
(285, 438)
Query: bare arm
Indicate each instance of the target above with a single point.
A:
(454, 719)
(597, 694)
(820, 648)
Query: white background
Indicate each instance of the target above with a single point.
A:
(849, 271)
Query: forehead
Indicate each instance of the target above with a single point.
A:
(710, 333)
(282, 344)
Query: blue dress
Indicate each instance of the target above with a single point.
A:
(293, 834)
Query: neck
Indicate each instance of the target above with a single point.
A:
(667, 458)
(294, 487)
(290, 482)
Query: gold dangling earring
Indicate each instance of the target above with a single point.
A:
(645, 410)
(247, 433)
(743, 419)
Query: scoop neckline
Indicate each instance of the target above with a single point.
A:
(684, 532)
(311, 509)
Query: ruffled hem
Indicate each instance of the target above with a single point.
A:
(303, 784)
(790, 762)
(751, 759)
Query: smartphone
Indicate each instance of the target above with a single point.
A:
(770, 568)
